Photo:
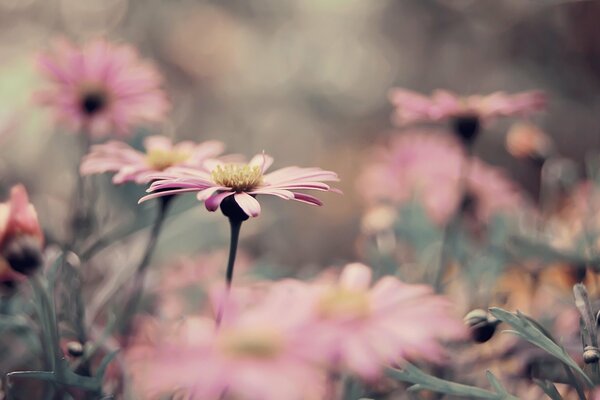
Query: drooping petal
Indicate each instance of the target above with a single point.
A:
(212, 203)
(248, 204)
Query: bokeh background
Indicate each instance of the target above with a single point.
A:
(304, 80)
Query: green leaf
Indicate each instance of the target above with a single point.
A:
(423, 381)
(548, 388)
(534, 334)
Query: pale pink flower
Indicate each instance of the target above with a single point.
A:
(101, 88)
(161, 153)
(256, 354)
(428, 167)
(242, 183)
(411, 107)
(362, 328)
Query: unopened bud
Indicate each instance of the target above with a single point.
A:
(75, 349)
(23, 254)
(481, 324)
(591, 354)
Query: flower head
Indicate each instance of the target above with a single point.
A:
(363, 328)
(101, 88)
(160, 154)
(414, 107)
(21, 237)
(235, 186)
(256, 354)
(428, 167)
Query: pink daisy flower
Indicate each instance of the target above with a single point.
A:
(362, 328)
(256, 354)
(411, 107)
(427, 167)
(160, 154)
(236, 185)
(101, 88)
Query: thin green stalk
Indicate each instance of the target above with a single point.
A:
(235, 225)
(140, 273)
(454, 222)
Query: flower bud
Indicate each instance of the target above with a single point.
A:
(482, 325)
(23, 254)
(591, 354)
(527, 140)
(75, 349)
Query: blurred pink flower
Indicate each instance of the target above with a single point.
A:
(242, 183)
(411, 107)
(132, 165)
(18, 217)
(257, 354)
(363, 328)
(101, 88)
(427, 167)
(21, 237)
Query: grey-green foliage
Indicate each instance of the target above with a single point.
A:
(423, 381)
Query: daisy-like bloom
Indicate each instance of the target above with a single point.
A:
(21, 237)
(234, 186)
(256, 354)
(428, 167)
(362, 328)
(131, 165)
(101, 88)
(412, 107)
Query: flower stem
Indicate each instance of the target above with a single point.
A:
(453, 223)
(132, 302)
(235, 224)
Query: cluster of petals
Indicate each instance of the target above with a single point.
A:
(282, 345)
(100, 87)
(131, 165)
(18, 219)
(256, 354)
(412, 107)
(361, 328)
(428, 167)
(253, 180)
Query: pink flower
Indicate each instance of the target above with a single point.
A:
(256, 354)
(414, 107)
(132, 165)
(363, 328)
(101, 88)
(21, 237)
(427, 167)
(241, 183)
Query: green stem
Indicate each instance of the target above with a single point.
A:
(453, 223)
(140, 273)
(235, 225)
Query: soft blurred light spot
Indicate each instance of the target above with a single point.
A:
(89, 17)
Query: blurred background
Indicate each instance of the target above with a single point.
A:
(303, 80)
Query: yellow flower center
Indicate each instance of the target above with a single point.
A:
(251, 343)
(161, 159)
(240, 178)
(344, 303)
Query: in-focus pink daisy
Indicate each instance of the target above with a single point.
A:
(132, 165)
(362, 328)
(411, 107)
(256, 354)
(237, 185)
(427, 167)
(101, 88)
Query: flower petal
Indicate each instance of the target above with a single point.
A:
(213, 202)
(248, 204)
